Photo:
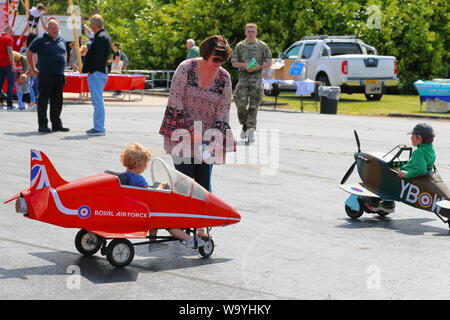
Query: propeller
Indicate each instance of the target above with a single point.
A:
(348, 173)
(357, 141)
(352, 167)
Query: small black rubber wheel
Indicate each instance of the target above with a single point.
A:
(88, 243)
(207, 250)
(354, 214)
(120, 252)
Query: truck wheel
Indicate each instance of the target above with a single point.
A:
(324, 79)
(373, 97)
(325, 82)
(120, 252)
(87, 243)
(274, 92)
(270, 93)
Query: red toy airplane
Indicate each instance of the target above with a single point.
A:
(104, 208)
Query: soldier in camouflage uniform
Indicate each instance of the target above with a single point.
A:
(249, 90)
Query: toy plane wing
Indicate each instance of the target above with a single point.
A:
(358, 189)
(445, 204)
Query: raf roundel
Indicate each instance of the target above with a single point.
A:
(425, 200)
(356, 189)
(84, 212)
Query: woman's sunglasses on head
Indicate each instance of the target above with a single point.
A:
(218, 60)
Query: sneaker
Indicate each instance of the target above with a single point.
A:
(95, 132)
(191, 244)
(387, 204)
(10, 108)
(62, 129)
(45, 130)
(244, 132)
(156, 246)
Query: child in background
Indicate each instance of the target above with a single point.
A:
(136, 158)
(33, 80)
(33, 20)
(22, 81)
(423, 158)
(35, 15)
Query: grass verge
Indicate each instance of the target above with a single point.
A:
(356, 104)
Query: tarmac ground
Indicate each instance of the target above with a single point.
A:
(295, 240)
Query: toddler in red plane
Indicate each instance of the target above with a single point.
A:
(136, 158)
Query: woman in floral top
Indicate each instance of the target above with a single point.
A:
(196, 126)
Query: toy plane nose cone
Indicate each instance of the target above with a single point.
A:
(235, 217)
(222, 210)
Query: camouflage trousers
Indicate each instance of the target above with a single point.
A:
(247, 96)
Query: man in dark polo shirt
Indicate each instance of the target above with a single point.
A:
(95, 66)
(51, 52)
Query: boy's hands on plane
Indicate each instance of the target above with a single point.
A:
(401, 174)
(163, 185)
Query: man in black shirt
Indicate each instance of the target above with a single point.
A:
(51, 52)
(96, 68)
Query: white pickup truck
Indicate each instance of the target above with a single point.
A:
(340, 61)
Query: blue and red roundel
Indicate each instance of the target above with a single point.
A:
(84, 212)
(425, 200)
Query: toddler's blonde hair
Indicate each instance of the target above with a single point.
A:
(134, 156)
(16, 56)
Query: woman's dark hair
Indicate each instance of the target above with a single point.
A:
(215, 45)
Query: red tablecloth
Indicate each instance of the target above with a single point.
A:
(77, 83)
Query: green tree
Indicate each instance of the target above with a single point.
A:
(153, 32)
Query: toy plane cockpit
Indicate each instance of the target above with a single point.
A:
(105, 208)
(381, 186)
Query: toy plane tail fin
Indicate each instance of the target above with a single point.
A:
(42, 172)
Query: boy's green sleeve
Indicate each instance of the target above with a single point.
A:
(416, 166)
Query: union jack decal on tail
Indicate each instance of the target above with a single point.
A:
(38, 176)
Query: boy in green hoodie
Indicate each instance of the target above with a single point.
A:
(423, 158)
